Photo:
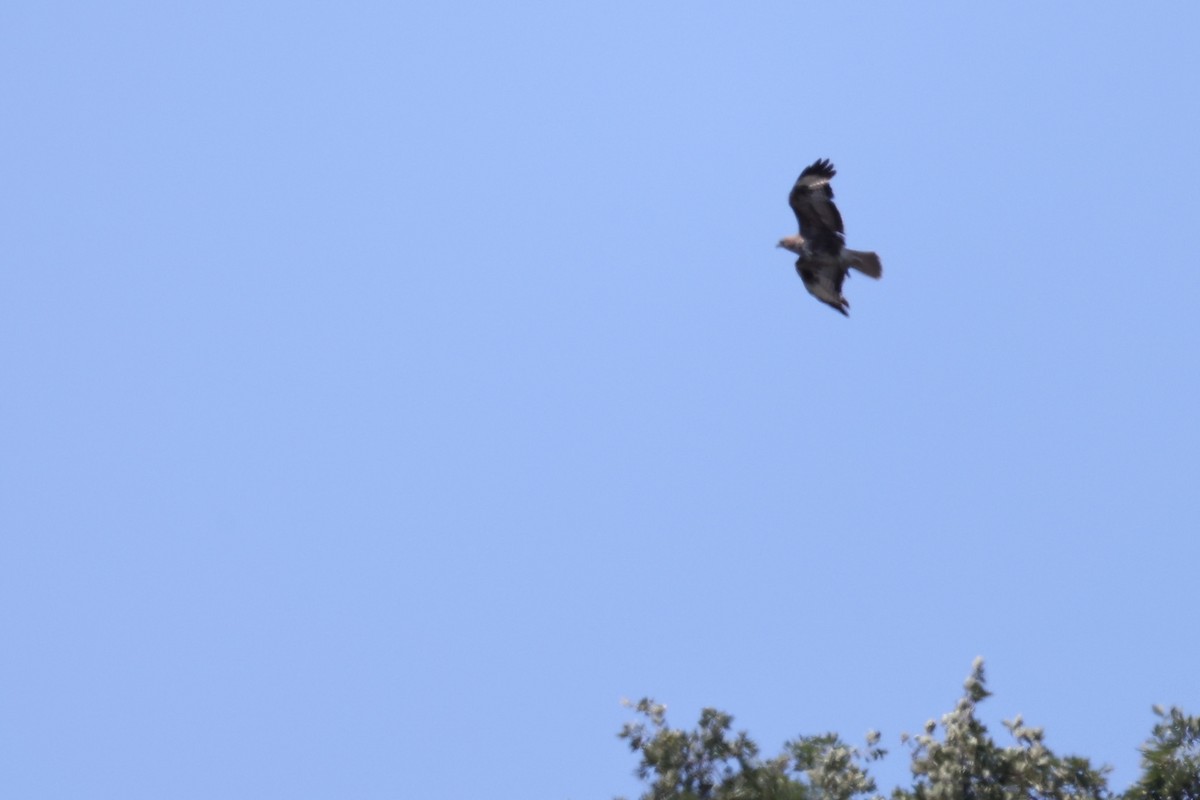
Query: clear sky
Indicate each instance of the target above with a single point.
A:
(388, 389)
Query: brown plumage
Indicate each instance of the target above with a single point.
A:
(824, 260)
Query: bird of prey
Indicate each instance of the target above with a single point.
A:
(824, 258)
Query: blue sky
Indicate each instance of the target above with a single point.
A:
(389, 389)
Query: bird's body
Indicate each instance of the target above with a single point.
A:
(823, 258)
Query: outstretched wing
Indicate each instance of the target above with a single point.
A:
(812, 201)
(823, 278)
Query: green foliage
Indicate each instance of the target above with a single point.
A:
(1170, 759)
(706, 764)
(832, 769)
(962, 763)
(967, 764)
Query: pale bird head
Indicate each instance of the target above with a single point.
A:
(793, 243)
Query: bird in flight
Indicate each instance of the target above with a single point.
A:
(824, 260)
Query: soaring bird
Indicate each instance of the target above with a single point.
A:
(824, 258)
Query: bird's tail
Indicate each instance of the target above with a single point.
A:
(866, 263)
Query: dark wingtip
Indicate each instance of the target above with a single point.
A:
(822, 167)
(841, 309)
